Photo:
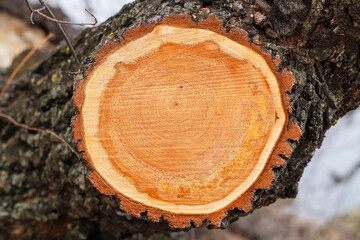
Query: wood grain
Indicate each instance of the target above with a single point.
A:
(180, 119)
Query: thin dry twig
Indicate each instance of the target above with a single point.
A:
(21, 64)
(38, 11)
(7, 84)
(58, 23)
(59, 27)
(13, 121)
(3, 115)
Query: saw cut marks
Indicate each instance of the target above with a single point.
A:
(179, 121)
(185, 116)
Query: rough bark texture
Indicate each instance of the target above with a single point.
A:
(41, 183)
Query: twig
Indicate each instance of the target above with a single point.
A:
(29, 6)
(61, 30)
(52, 134)
(58, 23)
(21, 64)
(38, 11)
(32, 15)
(39, 130)
(13, 121)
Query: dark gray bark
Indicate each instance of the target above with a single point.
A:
(41, 184)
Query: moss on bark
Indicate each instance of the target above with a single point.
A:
(41, 181)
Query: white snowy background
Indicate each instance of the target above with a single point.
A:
(75, 9)
(320, 197)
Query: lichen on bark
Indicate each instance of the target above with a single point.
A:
(41, 179)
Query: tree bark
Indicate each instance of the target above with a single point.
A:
(42, 188)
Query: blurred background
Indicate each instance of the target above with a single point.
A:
(328, 202)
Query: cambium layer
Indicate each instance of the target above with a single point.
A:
(184, 120)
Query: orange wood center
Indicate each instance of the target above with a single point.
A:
(186, 123)
(181, 119)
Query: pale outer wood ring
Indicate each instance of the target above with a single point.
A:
(129, 54)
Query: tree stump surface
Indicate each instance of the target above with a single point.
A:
(184, 121)
(42, 188)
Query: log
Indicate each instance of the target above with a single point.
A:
(181, 122)
(191, 113)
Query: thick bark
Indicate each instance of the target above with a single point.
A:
(41, 189)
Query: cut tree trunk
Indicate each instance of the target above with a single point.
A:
(185, 119)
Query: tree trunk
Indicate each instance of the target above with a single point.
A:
(42, 186)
